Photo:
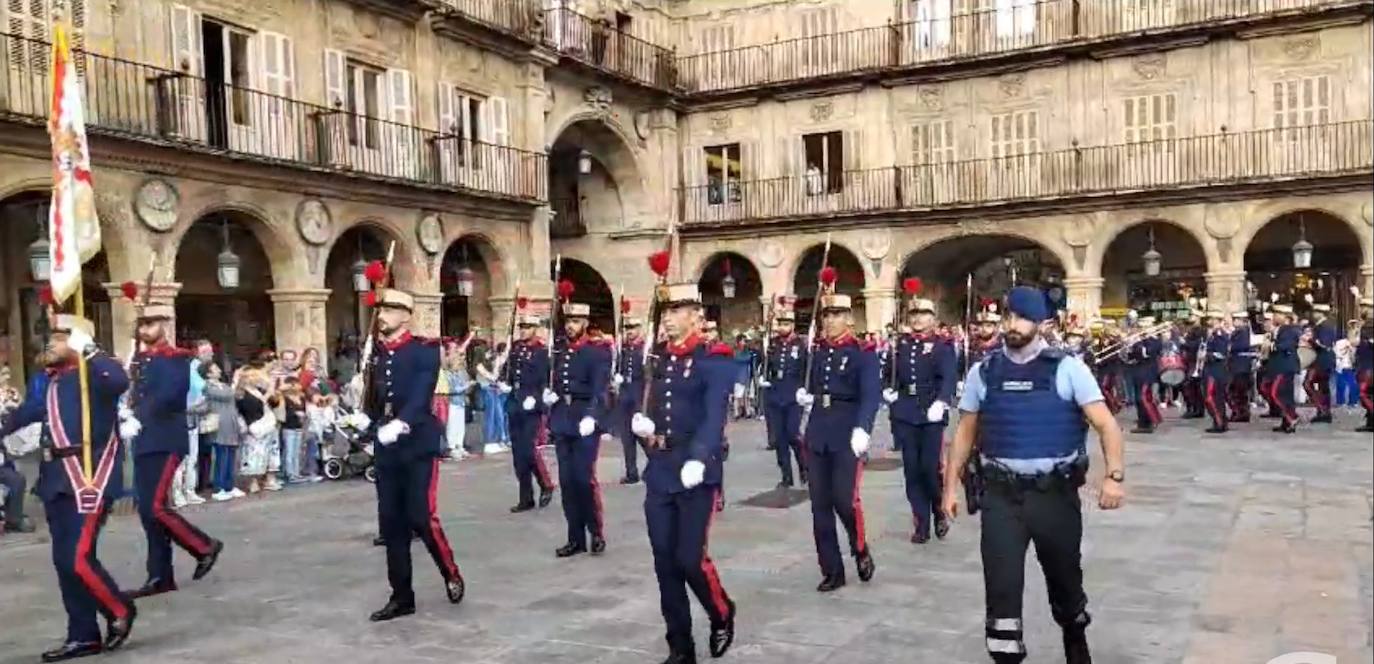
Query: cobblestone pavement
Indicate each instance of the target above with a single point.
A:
(1231, 549)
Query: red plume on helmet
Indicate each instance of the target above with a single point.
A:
(829, 275)
(659, 261)
(522, 302)
(129, 289)
(375, 272)
(624, 305)
(565, 289)
(986, 302)
(370, 299)
(911, 285)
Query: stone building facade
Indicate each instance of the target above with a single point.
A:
(963, 141)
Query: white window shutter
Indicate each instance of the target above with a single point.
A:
(288, 66)
(693, 166)
(335, 73)
(399, 103)
(853, 150)
(271, 62)
(448, 120)
(500, 120)
(186, 55)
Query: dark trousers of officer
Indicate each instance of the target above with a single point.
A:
(1281, 395)
(407, 502)
(15, 484)
(1318, 388)
(1012, 519)
(679, 530)
(153, 475)
(87, 589)
(1241, 384)
(624, 412)
(1366, 380)
(784, 434)
(1111, 392)
(1214, 395)
(581, 490)
(920, 445)
(529, 463)
(1192, 397)
(1266, 390)
(836, 478)
(1146, 406)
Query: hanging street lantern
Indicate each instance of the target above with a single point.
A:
(358, 273)
(467, 280)
(228, 264)
(727, 283)
(40, 259)
(584, 162)
(1302, 249)
(1152, 258)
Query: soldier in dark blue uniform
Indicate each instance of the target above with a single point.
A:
(581, 378)
(404, 370)
(1142, 361)
(76, 508)
(1028, 409)
(781, 414)
(1215, 371)
(1318, 382)
(525, 378)
(1364, 363)
(156, 423)
(689, 397)
(1268, 373)
(986, 339)
(848, 384)
(1286, 365)
(1194, 337)
(1241, 366)
(629, 388)
(918, 406)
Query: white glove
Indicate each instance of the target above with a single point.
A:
(937, 411)
(504, 388)
(641, 425)
(129, 428)
(125, 412)
(549, 397)
(79, 341)
(693, 472)
(358, 421)
(617, 380)
(804, 398)
(858, 441)
(890, 395)
(586, 426)
(392, 431)
(528, 403)
(764, 383)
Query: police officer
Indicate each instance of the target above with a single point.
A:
(525, 377)
(1142, 361)
(403, 374)
(1285, 365)
(1029, 408)
(848, 384)
(1215, 372)
(1318, 382)
(156, 423)
(781, 414)
(1241, 366)
(1194, 337)
(581, 376)
(629, 386)
(918, 405)
(692, 380)
(77, 508)
(1364, 363)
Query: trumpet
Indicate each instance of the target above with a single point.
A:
(1126, 341)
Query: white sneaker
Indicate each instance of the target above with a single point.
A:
(492, 448)
(236, 493)
(194, 499)
(178, 500)
(272, 484)
(221, 496)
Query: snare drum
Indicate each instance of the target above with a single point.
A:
(1172, 369)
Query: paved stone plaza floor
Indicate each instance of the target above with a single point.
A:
(1230, 550)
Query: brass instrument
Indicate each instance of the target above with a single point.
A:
(1129, 340)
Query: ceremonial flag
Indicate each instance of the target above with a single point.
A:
(73, 226)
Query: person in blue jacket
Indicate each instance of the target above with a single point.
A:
(1142, 362)
(1241, 366)
(628, 384)
(577, 398)
(848, 392)
(918, 396)
(1286, 365)
(155, 422)
(681, 433)
(77, 505)
(524, 379)
(1318, 382)
(404, 370)
(1216, 373)
(784, 368)
(1364, 363)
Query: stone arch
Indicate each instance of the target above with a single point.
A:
(1269, 211)
(498, 262)
(1101, 245)
(288, 264)
(745, 308)
(853, 279)
(462, 314)
(944, 264)
(793, 262)
(591, 288)
(1337, 263)
(410, 272)
(613, 150)
(1025, 233)
(1186, 260)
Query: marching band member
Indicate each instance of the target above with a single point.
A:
(782, 415)
(1194, 337)
(1074, 338)
(1107, 366)
(76, 509)
(1241, 366)
(1318, 383)
(1364, 363)
(1215, 370)
(1142, 361)
(1267, 373)
(1286, 365)
(918, 406)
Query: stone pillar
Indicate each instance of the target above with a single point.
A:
(300, 320)
(536, 270)
(880, 305)
(1226, 290)
(1085, 295)
(501, 308)
(425, 321)
(1366, 280)
(123, 313)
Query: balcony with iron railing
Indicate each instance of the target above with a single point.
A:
(520, 19)
(599, 45)
(150, 104)
(567, 218)
(939, 37)
(1174, 165)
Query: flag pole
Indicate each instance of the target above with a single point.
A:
(84, 375)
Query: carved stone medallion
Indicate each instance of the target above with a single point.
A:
(876, 244)
(430, 234)
(1301, 48)
(642, 125)
(598, 98)
(721, 122)
(770, 253)
(822, 111)
(156, 204)
(1221, 226)
(932, 97)
(1150, 66)
(1012, 85)
(313, 221)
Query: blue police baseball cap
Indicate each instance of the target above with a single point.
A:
(1028, 303)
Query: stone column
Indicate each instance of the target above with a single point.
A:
(1085, 295)
(1226, 290)
(1366, 280)
(501, 308)
(123, 313)
(300, 320)
(425, 321)
(880, 305)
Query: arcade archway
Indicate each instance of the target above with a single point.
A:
(590, 288)
(237, 317)
(594, 183)
(1154, 267)
(992, 263)
(1273, 264)
(465, 279)
(731, 289)
(346, 315)
(851, 281)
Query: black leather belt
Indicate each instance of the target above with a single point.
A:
(1069, 475)
(64, 452)
(828, 400)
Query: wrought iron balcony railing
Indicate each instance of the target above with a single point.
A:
(146, 103)
(598, 44)
(936, 35)
(567, 218)
(522, 19)
(1268, 155)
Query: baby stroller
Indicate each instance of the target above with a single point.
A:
(347, 451)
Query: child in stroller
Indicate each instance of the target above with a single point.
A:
(345, 449)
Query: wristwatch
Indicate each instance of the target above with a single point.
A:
(1116, 476)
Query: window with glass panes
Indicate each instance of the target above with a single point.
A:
(1015, 134)
(824, 155)
(724, 170)
(1302, 102)
(933, 142)
(1151, 118)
